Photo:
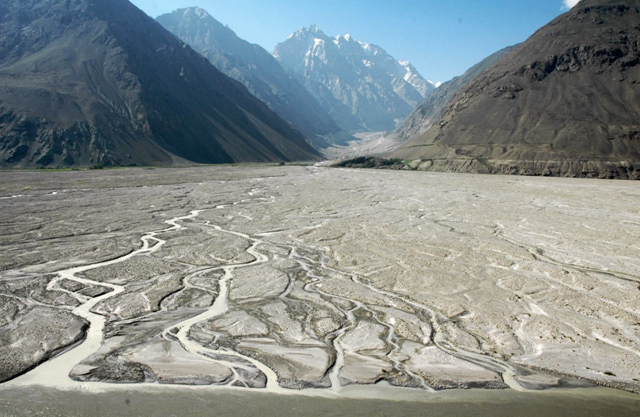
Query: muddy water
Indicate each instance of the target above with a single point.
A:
(383, 401)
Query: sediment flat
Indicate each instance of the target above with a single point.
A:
(123, 401)
(311, 280)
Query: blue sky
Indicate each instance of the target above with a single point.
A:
(441, 38)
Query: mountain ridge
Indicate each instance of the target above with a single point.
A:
(254, 67)
(426, 113)
(86, 82)
(359, 84)
(566, 102)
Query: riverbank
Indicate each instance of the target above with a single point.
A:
(124, 401)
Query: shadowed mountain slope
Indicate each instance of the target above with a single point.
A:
(253, 66)
(565, 102)
(86, 82)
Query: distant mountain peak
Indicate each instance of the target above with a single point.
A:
(308, 33)
(305, 31)
(359, 83)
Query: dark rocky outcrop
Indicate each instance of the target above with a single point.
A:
(566, 103)
(369, 162)
(92, 82)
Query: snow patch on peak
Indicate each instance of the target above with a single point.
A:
(413, 77)
(373, 50)
(345, 38)
(318, 49)
(201, 13)
(409, 76)
(367, 48)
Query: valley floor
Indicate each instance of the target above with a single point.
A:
(366, 144)
(316, 279)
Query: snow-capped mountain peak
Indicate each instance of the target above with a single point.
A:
(415, 79)
(345, 73)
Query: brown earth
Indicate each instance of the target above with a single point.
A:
(566, 103)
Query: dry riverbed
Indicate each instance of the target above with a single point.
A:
(317, 278)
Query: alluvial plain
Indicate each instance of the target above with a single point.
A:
(305, 277)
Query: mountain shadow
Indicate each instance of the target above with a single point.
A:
(94, 82)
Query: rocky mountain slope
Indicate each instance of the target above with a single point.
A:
(423, 117)
(86, 82)
(565, 102)
(253, 66)
(359, 84)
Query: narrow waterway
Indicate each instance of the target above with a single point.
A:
(49, 378)
(55, 372)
